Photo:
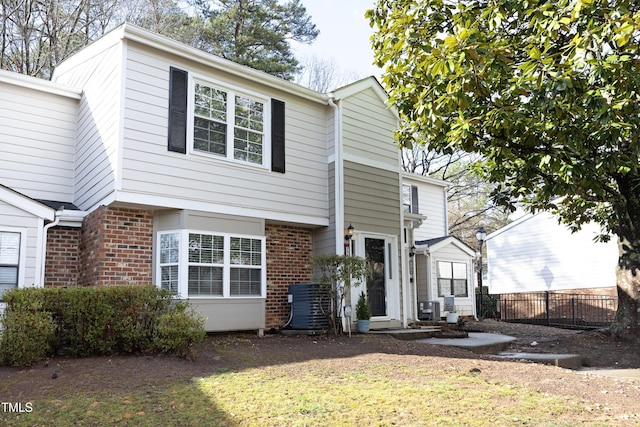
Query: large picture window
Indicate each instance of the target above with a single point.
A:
(197, 264)
(452, 279)
(9, 260)
(229, 124)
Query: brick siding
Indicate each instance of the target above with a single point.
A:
(61, 267)
(288, 261)
(116, 247)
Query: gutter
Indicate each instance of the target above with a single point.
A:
(65, 218)
(43, 253)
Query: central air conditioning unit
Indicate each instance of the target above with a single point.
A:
(428, 310)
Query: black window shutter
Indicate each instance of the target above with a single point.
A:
(177, 110)
(277, 136)
(414, 199)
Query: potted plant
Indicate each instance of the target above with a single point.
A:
(363, 313)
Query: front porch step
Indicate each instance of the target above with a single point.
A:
(421, 332)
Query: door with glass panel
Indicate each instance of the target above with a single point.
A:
(376, 252)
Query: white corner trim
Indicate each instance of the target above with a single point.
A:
(27, 204)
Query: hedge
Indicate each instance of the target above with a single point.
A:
(88, 321)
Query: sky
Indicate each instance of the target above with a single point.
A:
(344, 35)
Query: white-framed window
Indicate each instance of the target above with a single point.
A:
(11, 259)
(230, 123)
(452, 279)
(410, 198)
(206, 264)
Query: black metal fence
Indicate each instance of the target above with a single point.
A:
(558, 309)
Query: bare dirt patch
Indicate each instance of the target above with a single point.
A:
(226, 352)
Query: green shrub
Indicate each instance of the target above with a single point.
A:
(96, 320)
(178, 330)
(27, 336)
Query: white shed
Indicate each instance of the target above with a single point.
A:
(536, 253)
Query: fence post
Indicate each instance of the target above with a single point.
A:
(546, 298)
(573, 311)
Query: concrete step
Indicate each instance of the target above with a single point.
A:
(411, 334)
(568, 361)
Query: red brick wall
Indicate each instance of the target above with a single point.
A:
(61, 267)
(288, 261)
(116, 247)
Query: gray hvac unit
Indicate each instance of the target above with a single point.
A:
(428, 310)
(309, 305)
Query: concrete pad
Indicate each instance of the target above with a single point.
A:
(620, 374)
(568, 361)
(478, 342)
(419, 333)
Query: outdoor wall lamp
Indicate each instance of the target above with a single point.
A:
(348, 235)
(412, 251)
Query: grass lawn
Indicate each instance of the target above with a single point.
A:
(354, 391)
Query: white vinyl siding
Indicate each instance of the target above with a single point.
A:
(450, 253)
(99, 125)
(29, 227)
(178, 180)
(432, 204)
(37, 141)
(536, 254)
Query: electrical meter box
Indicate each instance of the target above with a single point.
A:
(428, 310)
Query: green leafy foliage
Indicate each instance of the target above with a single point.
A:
(178, 330)
(338, 273)
(363, 310)
(547, 93)
(93, 321)
(28, 336)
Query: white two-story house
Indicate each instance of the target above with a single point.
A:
(145, 161)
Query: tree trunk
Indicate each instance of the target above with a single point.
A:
(628, 281)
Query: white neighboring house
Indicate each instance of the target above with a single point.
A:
(440, 265)
(535, 253)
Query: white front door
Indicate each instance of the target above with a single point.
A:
(381, 286)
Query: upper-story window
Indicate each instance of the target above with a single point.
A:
(221, 121)
(229, 124)
(410, 198)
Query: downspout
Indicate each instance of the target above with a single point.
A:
(405, 275)
(43, 261)
(404, 283)
(338, 175)
(338, 185)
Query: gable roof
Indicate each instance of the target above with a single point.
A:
(432, 245)
(361, 85)
(147, 38)
(426, 179)
(26, 203)
(524, 218)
